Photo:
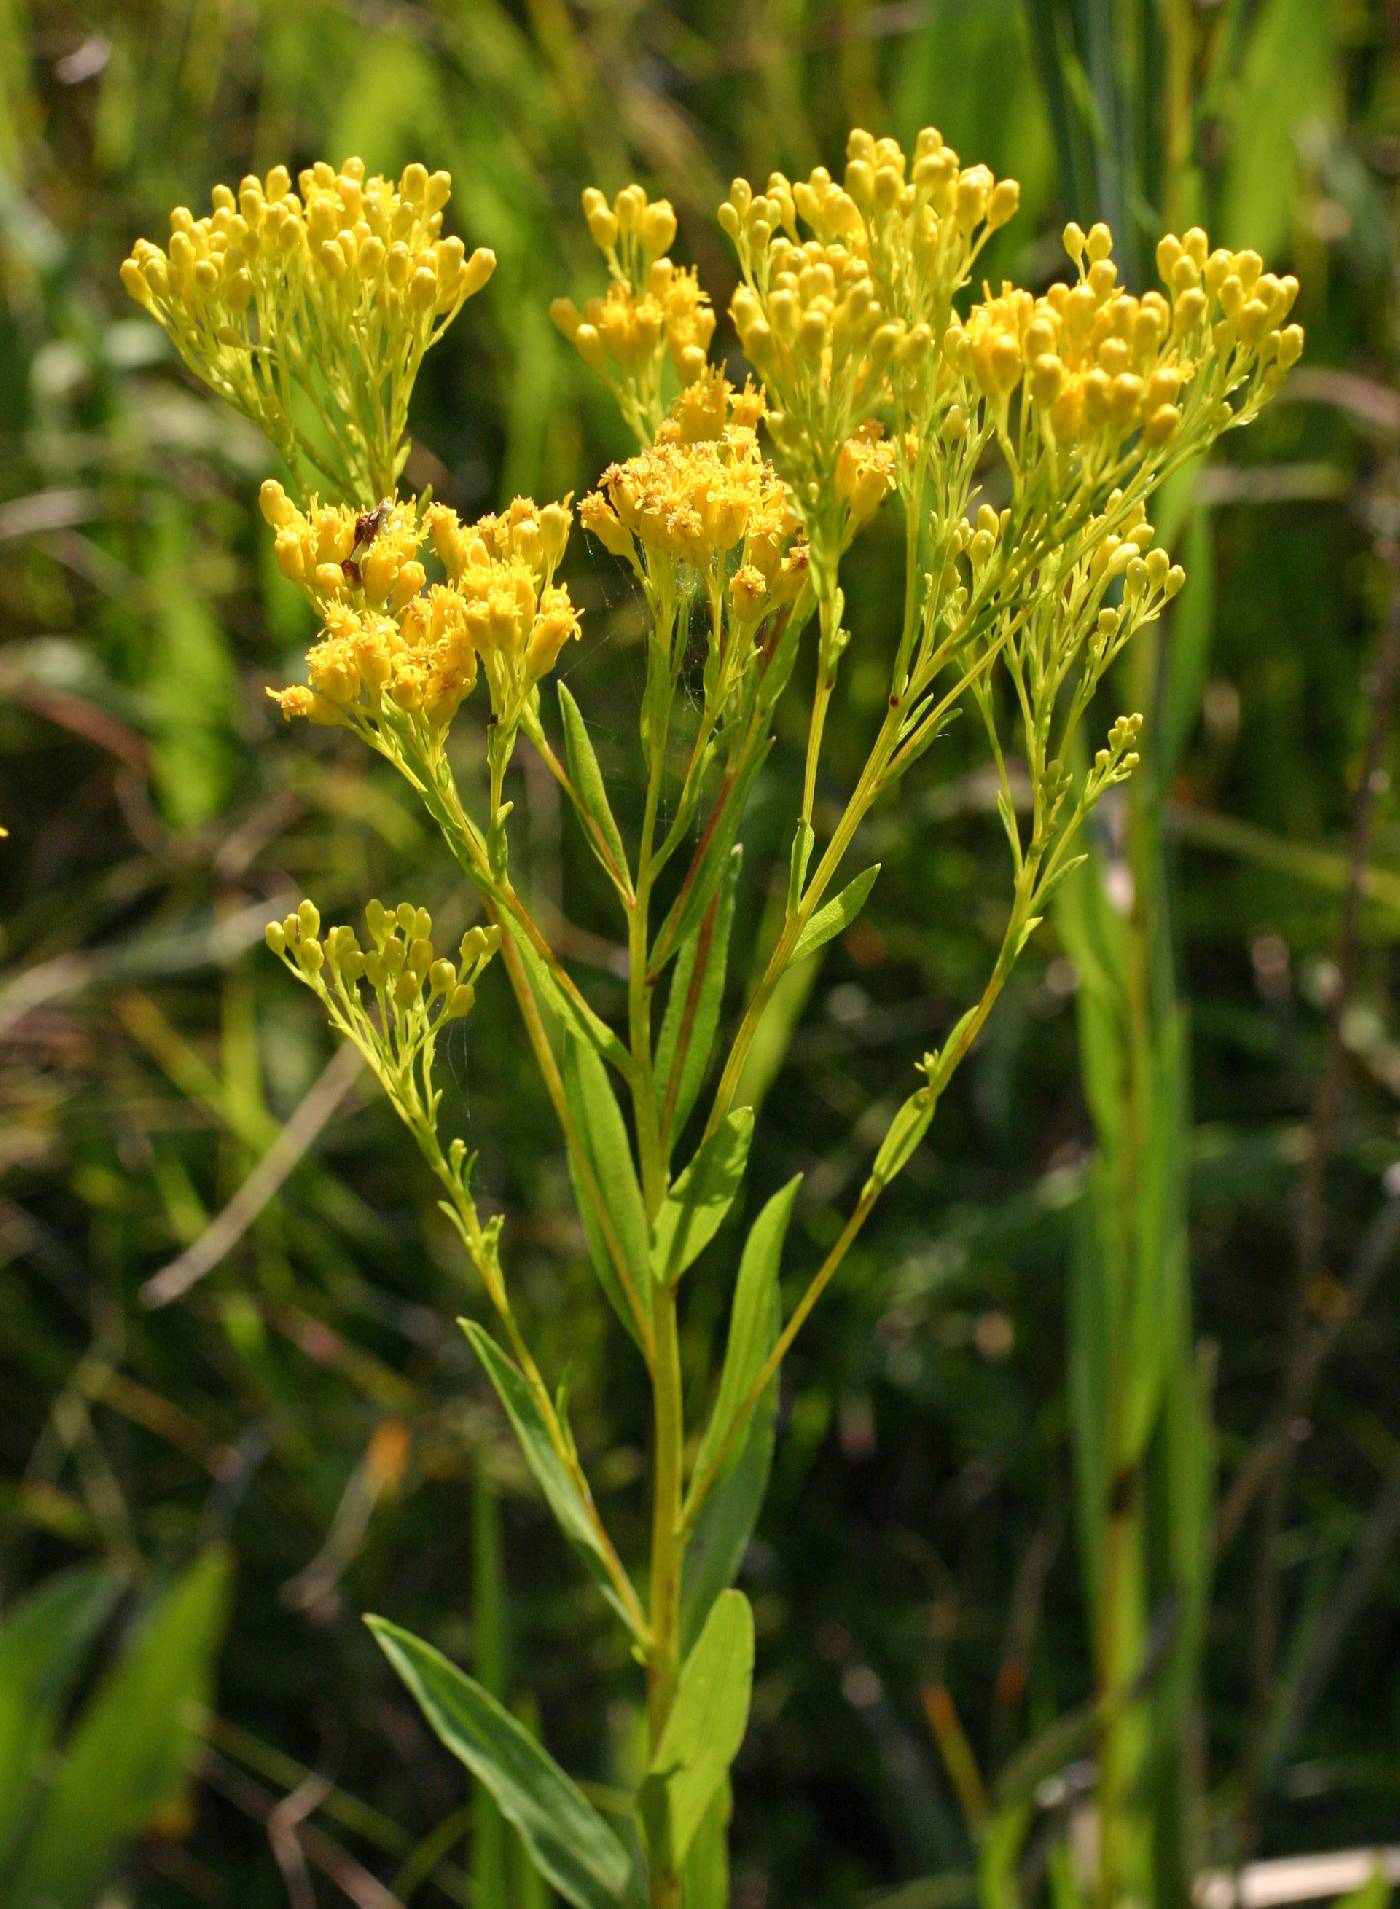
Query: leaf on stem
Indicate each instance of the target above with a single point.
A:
(837, 915)
(694, 1209)
(603, 1136)
(712, 858)
(572, 1012)
(568, 1841)
(587, 779)
(753, 1321)
(562, 1491)
(694, 1001)
(708, 1718)
(798, 860)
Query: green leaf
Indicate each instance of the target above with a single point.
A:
(798, 860)
(707, 950)
(903, 1136)
(711, 862)
(837, 915)
(587, 779)
(708, 1718)
(568, 1841)
(706, 1875)
(562, 1494)
(729, 1514)
(603, 1136)
(42, 1643)
(575, 1017)
(131, 1747)
(694, 1209)
(753, 1323)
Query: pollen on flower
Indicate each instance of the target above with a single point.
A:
(696, 501)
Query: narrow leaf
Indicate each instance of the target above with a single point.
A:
(587, 778)
(708, 1718)
(603, 1136)
(798, 860)
(694, 1002)
(131, 1747)
(712, 858)
(707, 1865)
(568, 1841)
(753, 1323)
(903, 1136)
(562, 1493)
(574, 1016)
(729, 1514)
(42, 1644)
(837, 915)
(694, 1209)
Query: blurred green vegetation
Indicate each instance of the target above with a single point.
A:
(305, 1401)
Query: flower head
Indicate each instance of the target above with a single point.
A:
(652, 312)
(384, 648)
(336, 289)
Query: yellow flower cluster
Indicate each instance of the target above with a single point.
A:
(918, 224)
(865, 475)
(824, 346)
(419, 649)
(652, 309)
(335, 290)
(338, 555)
(695, 503)
(1099, 364)
(412, 988)
(854, 315)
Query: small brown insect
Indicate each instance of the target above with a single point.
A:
(368, 525)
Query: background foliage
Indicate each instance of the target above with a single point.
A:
(301, 1400)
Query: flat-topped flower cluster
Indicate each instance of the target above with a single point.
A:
(1017, 437)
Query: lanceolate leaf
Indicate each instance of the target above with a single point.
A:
(603, 1135)
(693, 1004)
(837, 915)
(587, 777)
(707, 1865)
(694, 1209)
(42, 1643)
(130, 1749)
(568, 1841)
(574, 1016)
(708, 1718)
(712, 859)
(564, 1497)
(753, 1323)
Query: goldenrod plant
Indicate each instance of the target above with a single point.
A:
(1019, 437)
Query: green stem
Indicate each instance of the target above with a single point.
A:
(667, 1565)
